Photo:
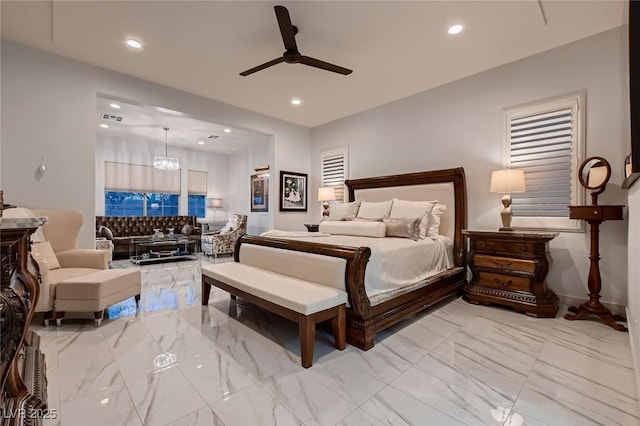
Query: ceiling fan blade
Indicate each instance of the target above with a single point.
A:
(286, 28)
(324, 65)
(261, 67)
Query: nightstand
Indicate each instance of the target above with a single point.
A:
(312, 227)
(509, 268)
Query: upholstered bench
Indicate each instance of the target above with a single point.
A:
(300, 301)
(96, 291)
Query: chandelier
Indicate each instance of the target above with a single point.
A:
(166, 162)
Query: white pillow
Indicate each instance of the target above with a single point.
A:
(358, 229)
(434, 220)
(370, 210)
(44, 251)
(403, 209)
(341, 211)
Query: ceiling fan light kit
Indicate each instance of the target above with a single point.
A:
(291, 54)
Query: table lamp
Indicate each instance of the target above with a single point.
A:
(214, 203)
(507, 182)
(326, 194)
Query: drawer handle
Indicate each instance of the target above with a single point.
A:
(503, 283)
(502, 265)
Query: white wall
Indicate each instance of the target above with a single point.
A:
(241, 166)
(48, 109)
(461, 124)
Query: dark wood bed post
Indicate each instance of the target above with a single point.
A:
(364, 320)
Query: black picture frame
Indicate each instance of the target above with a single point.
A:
(634, 95)
(293, 192)
(259, 193)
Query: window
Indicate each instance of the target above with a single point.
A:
(118, 203)
(138, 190)
(547, 141)
(334, 167)
(197, 205)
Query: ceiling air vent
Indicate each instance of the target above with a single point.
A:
(213, 137)
(111, 117)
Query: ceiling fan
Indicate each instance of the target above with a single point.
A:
(291, 54)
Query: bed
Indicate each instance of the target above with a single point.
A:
(345, 266)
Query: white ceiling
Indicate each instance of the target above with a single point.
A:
(395, 48)
(141, 122)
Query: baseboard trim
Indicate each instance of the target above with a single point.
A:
(634, 348)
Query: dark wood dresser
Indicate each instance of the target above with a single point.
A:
(510, 268)
(23, 395)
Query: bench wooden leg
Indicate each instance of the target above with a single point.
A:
(339, 328)
(307, 331)
(206, 290)
(59, 318)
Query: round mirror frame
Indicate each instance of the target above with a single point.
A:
(598, 189)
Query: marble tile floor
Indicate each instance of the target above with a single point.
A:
(177, 363)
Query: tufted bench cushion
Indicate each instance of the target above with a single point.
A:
(301, 301)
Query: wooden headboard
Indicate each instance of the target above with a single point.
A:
(448, 186)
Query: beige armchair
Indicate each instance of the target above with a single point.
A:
(55, 250)
(224, 241)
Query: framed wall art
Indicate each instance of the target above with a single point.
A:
(259, 193)
(293, 192)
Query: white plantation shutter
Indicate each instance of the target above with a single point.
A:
(333, 171)
(546, 142)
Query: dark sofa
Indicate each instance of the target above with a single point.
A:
(125, 229)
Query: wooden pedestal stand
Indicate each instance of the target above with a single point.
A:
(595, 215)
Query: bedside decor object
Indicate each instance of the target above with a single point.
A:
(507, 182)
(326, 194)
(293, 192)
(312, 227)
(594, 173)
(510, 268)
(260, 192)
(214, 203)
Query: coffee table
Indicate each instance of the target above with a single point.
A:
(143, 252)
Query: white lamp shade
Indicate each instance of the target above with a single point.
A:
(326, 193)
(507, 181)
(215, 202)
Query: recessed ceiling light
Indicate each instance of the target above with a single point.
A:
(104, 126)
(134, 43)
(455, 29)
(114, 106)
(200, 143)
(295, 101)
(227, 130)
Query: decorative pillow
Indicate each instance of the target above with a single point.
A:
(403, 209)
(373, 210)
(434, 220)
(44, 251)
(105, 232)
(358, 229)
(187, 229)
(403, 228)
(341, 211)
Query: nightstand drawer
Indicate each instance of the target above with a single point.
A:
(505, 263)
(503, 282)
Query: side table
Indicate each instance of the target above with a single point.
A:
(510, 268)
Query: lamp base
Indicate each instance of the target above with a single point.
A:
(503, 229)
(325, 211)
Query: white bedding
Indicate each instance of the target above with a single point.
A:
(394, 262)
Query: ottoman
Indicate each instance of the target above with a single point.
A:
(96, 291)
